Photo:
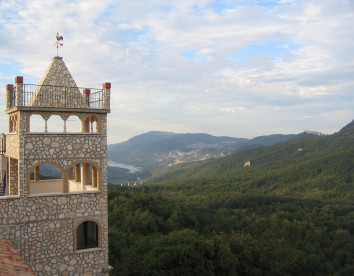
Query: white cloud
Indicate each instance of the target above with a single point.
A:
(243, 68)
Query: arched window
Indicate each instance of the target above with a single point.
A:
(37, 123)
(91, 124)
(45, 178)
(83, 177)
(73, 124)
(87, 235)
(13, 123)
(55, 123)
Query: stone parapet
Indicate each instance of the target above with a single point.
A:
(64, 146)
(12, 146)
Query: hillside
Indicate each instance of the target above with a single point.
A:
(290, 213)
(276, 169)
(157, 149)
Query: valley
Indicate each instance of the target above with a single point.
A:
(290, 212)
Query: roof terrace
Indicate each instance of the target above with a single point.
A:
(57, 96)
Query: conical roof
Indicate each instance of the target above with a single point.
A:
(58, 74)
(57, 88)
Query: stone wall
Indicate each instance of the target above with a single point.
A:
(64, 148)
(13, 177)
(12, 145)
(43, 231)
(43, 227)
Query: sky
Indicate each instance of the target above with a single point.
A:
(228, 68)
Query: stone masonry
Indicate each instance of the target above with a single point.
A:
(43, 225)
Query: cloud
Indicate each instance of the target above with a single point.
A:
(238, 68)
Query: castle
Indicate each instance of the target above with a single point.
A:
(58, 226)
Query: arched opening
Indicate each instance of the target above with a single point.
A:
(73, 124)
(91, 124)
(55, 123)
(87, 235)
(45, 178)
(13, 123)
(83, 177)
(37, 123)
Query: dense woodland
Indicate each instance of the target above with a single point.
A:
(290, 213)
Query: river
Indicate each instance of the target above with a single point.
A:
(131, 168)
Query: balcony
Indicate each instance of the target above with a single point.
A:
(52, 186)
(32, 95)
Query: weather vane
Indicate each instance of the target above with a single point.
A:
(58, 44)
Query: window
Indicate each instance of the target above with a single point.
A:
(37, 123)
(45, 178)
(13, 123)
(73, 124)
(87, 235)
(91, 124)
(83, 177)
(55, 123)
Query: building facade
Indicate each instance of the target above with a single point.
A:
(59, 225)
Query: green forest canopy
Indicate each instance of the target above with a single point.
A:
(290, 213)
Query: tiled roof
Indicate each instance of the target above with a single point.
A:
(11, 263)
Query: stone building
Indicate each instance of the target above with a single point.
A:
(58, 225)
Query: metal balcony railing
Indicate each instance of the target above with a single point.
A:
(57, 96)
(2, 182)
(2, 144)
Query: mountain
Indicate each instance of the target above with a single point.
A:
(322, 165)
(157, 149)
(289, 211)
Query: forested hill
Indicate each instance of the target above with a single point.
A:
(280, 168)
(290, 213)
(157, 149)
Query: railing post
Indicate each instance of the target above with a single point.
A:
(106, 95)
(9, 89)
(19, 90)
(87, 93)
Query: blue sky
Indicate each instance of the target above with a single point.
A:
(228, 68)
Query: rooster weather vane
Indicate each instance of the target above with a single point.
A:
(58, 43)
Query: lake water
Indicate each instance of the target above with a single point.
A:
(131, 168)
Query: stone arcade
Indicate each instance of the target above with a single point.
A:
(59, 226)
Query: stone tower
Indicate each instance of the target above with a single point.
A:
(58, 224)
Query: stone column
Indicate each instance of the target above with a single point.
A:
(87, 97)
(9, 89)
(36, 173)
(106, 95)
(86, 125)
(65, 182)
(13, 176)
(83, 176)
(86, 174)
(19, 91)
(94, 176)
(70, 174)
(99, 180)
(77, 173)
